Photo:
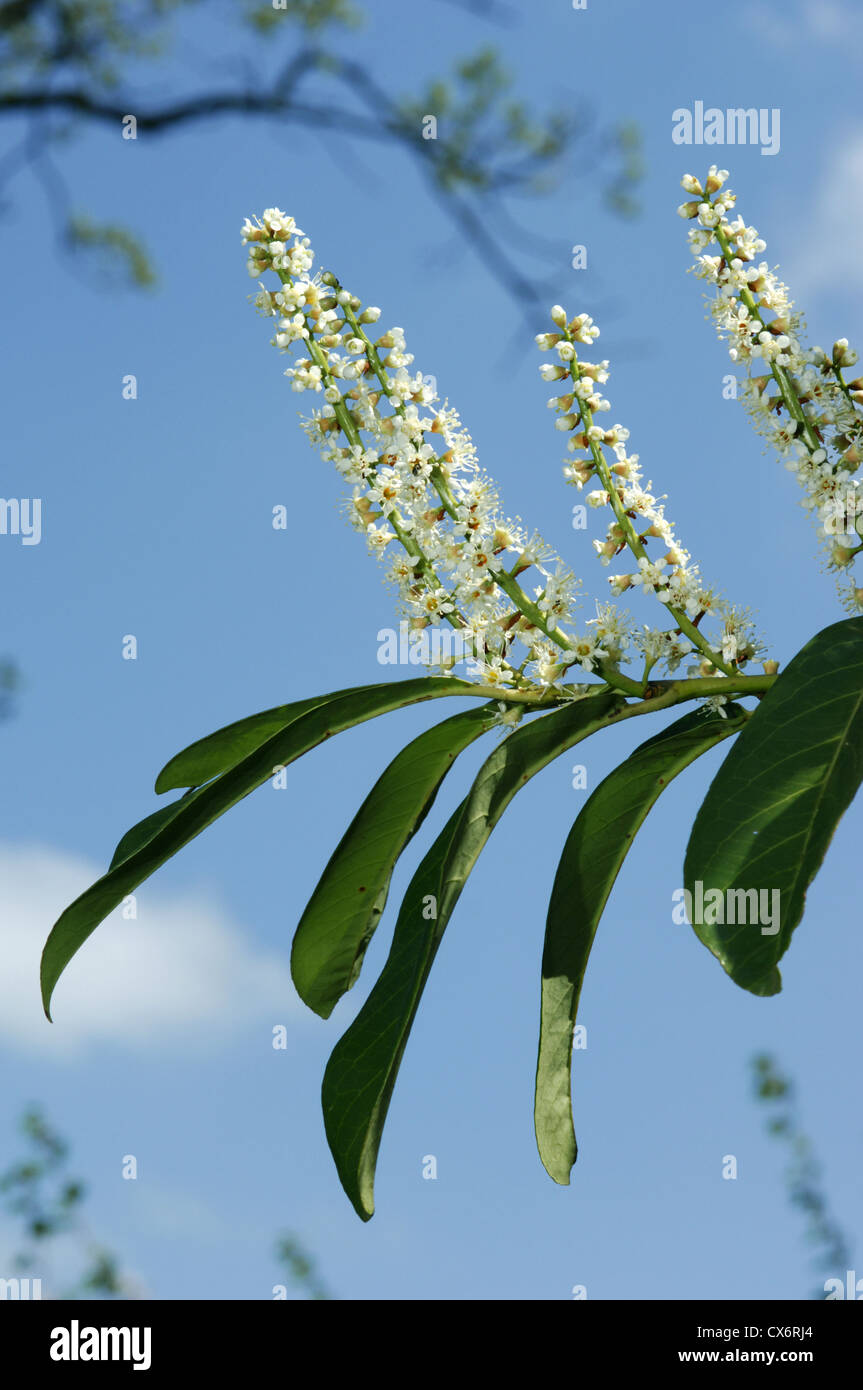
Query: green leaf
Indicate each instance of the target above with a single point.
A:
(345, 908)
(208, 757)
(140, 834)
(194, 813)
(362, 1070)
(774, 805)
(592, 857)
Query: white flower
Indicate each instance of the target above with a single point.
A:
(413, 472)
(651, 576)
(769, 330)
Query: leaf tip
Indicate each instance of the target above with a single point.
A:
(47, 990)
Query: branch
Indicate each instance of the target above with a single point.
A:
(453, 173)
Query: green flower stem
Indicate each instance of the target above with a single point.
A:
(615, 677)
(783, 380)
(506, 582)
(352, 434)
(513, 590)
(660, 694)
(843, 386)
(670, 693)
(630, 533)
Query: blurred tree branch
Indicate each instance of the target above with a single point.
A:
(39, 1193)
(301, 1267)
(9, 683)
(803, 1174)
(41, 1197)
(66, 64)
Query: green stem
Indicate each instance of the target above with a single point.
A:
(662, 694)
(783, 379)
(455, 619)
(632, 539)
(506, 582)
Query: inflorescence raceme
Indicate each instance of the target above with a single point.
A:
(424, 504)
(797, 397)
(417, 488)
(638, 521)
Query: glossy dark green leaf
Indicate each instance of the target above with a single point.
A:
(194, 813)
(772, 808)
(592, 857)
(140, 834)
(362, 1070)
(345, 908)
(209, 756)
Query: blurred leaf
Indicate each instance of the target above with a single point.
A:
(311, 15)
(301, 1267)
(119, 255)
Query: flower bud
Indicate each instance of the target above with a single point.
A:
(841, 555)
(605, 549)
(619, 583)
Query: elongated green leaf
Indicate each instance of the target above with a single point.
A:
(208, 757)
(194, 813)
(140, 834)
(592, 857)
(362, 1070)
(771, 811)
(346, 906)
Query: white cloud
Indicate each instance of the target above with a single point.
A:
(830, 250)
(805, 22)
(181, 970)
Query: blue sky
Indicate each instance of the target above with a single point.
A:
(157, 522)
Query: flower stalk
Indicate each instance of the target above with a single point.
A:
(415, 482)
(814, 422)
